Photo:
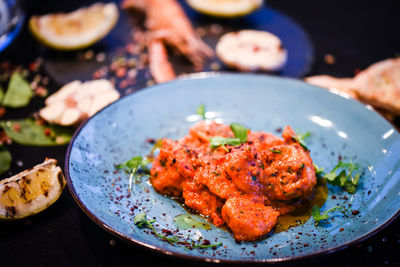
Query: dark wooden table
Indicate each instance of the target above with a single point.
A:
(356, 33)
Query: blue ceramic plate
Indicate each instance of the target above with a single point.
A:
(339, 128)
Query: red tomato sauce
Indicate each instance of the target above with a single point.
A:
(247, 187)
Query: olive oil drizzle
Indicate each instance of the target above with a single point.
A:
(303, 213)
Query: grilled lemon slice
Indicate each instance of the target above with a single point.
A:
(225, 8)
(31, 191)
(75, 30)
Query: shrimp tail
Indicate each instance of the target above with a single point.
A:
(160, 67)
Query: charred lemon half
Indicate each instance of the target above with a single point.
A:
(31, 191)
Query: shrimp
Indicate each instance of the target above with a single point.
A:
(167, 24)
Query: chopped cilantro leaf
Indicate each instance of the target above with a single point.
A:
(348, 177)
(201, 110)
(131, 165)
(240, 133)
(141, 221)
(317, 216)
(300, 138)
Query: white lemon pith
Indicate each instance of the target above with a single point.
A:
(77, 29)
(31, 191)
(225, 8)
(251, 50)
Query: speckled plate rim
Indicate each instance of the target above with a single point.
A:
(164, 252)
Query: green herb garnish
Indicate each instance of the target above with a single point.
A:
(299, 137)
(5, 159)
(19, 92)
(275, 151)
(132, 166)
(141, 221)
(240, 133)
(207, 246)
(348, 177)
(32, 133)
(201, 110)
(316, 214)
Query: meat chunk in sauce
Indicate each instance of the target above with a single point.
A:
(245, 187)
(248, 218)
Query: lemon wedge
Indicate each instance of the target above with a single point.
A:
(75, 30)
(225, 8)
(31, 191)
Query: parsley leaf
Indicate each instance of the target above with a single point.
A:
(131, 165)
(299, 137)
(346, 177)
(317, 216)
(201, 110)
(240, 133)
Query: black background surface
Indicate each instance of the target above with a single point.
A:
(357, 33)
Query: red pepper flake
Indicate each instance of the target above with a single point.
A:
(2, 111)
(33, 66)
(4, 139)
(47, 131)
(329, 59)
(5, 65)
(131, 49)
(123, 84)
(355, 212)
(121, 72)
(17, 127)
(256, 48)
(341, 229)
(40, 122)
(150, 140)
(41, 91)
